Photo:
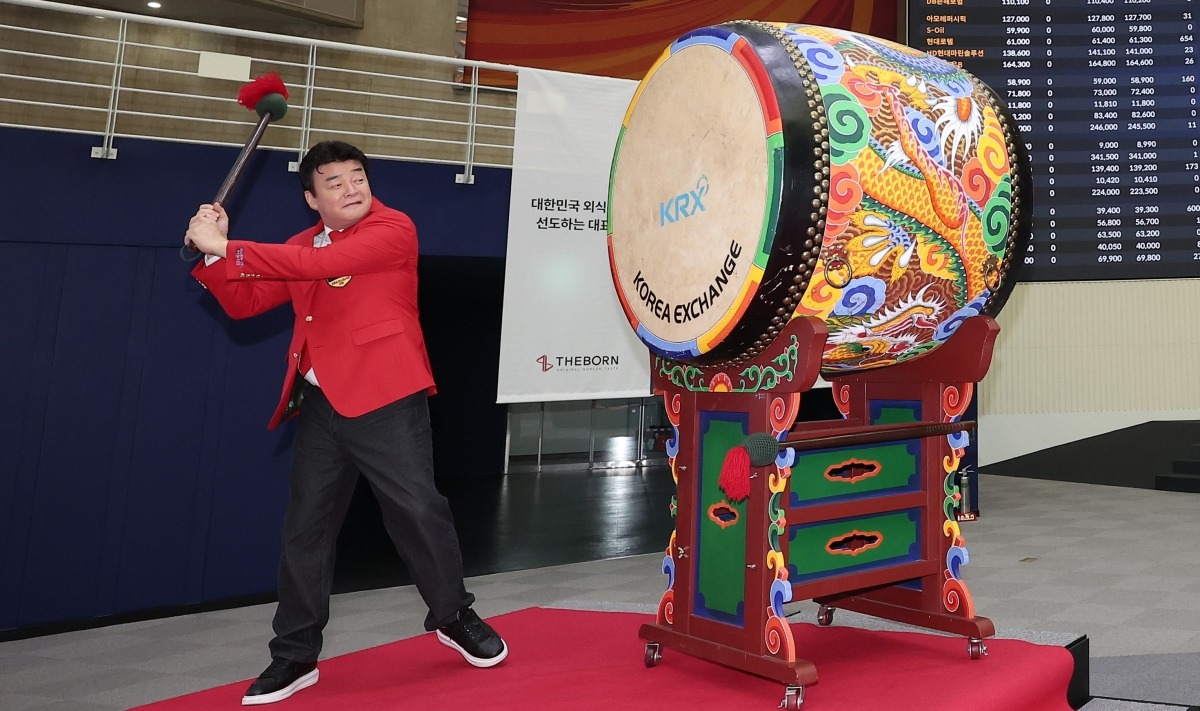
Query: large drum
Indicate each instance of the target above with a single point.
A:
(766, 171)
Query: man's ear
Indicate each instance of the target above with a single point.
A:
(310, 199)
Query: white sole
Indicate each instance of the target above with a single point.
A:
(302, 683)
(472, 660)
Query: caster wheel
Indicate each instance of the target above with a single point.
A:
(793, 698)
(825, 615)
(976, 648)
(653, 654)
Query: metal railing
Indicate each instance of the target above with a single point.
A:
(119, 75)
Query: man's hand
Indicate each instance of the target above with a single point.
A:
(208, 230)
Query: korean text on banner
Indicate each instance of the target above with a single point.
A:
(563, 334)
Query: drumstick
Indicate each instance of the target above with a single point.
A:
(760, 449)
(266, 96)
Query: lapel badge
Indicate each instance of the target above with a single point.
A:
(338, 282)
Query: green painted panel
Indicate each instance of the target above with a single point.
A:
(896, 415)
(721, 558)
(896, 537)
(850, 471)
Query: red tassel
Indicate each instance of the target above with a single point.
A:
(735, 474)
(250, 94)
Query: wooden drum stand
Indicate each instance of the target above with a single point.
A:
(858, 514)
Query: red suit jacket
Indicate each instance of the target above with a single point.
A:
(363, 338)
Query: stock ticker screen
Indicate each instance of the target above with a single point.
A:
(1104, 95)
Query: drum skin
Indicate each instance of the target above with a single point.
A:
(766, 171)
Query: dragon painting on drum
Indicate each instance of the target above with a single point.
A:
(766, 171)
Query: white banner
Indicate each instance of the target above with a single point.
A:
(564, 335)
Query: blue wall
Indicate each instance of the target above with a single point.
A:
(136, 470)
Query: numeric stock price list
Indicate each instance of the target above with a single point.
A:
(1103, 93)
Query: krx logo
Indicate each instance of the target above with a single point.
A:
(684, 204)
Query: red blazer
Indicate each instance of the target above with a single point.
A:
(364, 338)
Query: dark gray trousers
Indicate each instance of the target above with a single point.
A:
(392, 448)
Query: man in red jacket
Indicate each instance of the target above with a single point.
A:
(358, 375)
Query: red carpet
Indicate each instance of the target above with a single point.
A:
(567, 659)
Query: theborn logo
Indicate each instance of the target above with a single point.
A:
(578, 362)
(684, 204)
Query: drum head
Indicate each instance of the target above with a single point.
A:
(697, 182)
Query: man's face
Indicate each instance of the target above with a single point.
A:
(341, 194)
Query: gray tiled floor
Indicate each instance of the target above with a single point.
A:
(1119, 565)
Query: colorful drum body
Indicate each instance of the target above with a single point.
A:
(766, 171)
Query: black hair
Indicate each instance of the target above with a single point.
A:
(329, 152)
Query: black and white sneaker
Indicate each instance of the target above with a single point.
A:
(280, 680)
(474, 639)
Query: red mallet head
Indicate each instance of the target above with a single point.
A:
(757, 450)
(265, 95)
(735, 475)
